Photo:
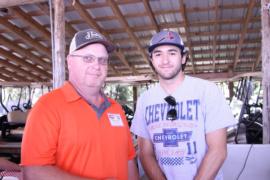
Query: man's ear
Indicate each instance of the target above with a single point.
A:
(68, 62)
(184, 58)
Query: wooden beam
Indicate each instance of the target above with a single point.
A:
(25, 83)
(129, 79)
(186, 25)
(244, 31)
(265, 69)
(9, 3)
(124, 23)
(59, 75)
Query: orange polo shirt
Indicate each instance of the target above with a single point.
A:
(62, 129)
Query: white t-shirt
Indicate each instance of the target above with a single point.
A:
(180, 145)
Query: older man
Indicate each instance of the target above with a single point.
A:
(76, 132)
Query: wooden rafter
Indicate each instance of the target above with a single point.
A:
(151, 14)
(186, 25)
(4, 78)
(124, 23)
(128, 60)
(19, 70)
(32, 23)
(216, 27)
(160, 12)
(9, 3)
(89, 20)
(25, 53)
(44, 7)
(14, 29)
(12, 75)
(244, 31)
(23, 63)
(181, 24)
(228, 32)
(258, 59)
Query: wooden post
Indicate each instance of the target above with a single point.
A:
(135, 94)
(231, 93)
(265, 69)
(59, 44)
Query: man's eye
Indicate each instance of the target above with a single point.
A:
(103, 60)
(88, 58)
(172, 53)
(157, 54)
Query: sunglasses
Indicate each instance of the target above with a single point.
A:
(171, 114)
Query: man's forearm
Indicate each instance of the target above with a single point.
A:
(151, 167)
(132, 170)
(48, 172)
(210, 165)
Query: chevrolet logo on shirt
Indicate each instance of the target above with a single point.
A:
(170, 137)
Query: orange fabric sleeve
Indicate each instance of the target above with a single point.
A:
(40, 136)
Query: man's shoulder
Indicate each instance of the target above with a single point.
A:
(52, 97)
(200, 82)
(114, 103)
(152, 91)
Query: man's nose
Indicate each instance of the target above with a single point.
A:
(165, 59)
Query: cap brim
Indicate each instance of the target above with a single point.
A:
(151, 48)
(109, 46)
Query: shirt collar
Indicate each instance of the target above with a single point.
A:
(71, 94)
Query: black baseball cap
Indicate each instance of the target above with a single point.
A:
(89, 36)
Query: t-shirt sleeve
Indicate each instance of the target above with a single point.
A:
(217, 111)
(139, 126)
(131, 148)
(40, 136)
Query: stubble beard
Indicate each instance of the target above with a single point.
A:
(171, 75)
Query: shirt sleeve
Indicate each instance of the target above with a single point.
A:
(217, 111)
(139, 126)
(40, 136)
